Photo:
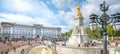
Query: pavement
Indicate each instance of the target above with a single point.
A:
(18, 50)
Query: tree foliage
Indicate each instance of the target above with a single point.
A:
(67, 33)
(95, 34)
(89, 32)
(110, 31)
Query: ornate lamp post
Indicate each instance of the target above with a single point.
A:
(104, 20)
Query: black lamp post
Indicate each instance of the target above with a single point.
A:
(104, 20)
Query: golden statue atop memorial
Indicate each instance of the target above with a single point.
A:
(78, 36)
(78, 10)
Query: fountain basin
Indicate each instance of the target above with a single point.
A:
(40, 50)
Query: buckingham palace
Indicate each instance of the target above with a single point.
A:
(13, 31)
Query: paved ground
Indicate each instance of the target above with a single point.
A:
(18, 50)
(24, 47)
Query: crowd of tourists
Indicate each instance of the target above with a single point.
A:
(5, 47)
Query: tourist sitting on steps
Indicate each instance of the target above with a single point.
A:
(78, 45)
(22, 51)
(116, 44)
(86, 44)
(14, 49)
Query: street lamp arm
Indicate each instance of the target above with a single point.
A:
(110, 20)
(97, 19)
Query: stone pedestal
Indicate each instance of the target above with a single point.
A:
(79, 35)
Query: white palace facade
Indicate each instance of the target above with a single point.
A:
(17, 31)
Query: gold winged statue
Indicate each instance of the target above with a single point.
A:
(78, 10)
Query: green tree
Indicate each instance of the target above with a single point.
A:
(62, 34)
(96, 34)
(110, 31)
(68, 33)
(89, 32)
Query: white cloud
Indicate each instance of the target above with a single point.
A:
(17, 5)
(16, 18)
(59, 3)
(62, 4)
(20, 5)
(24, 8)
(68, 17)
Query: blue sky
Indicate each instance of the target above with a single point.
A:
(51, 13)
